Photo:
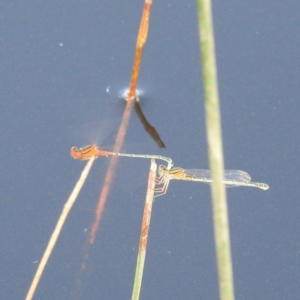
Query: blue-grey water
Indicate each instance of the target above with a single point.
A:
(58, 59)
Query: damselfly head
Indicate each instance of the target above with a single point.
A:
(161, 169)
(76, 153)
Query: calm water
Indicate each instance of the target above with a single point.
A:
(58, 59)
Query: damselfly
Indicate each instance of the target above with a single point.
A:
(232, 178)
(87, 152)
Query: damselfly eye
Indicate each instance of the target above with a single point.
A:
(161, 168)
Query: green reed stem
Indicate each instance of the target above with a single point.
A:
(144, 232)
(215, 149)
